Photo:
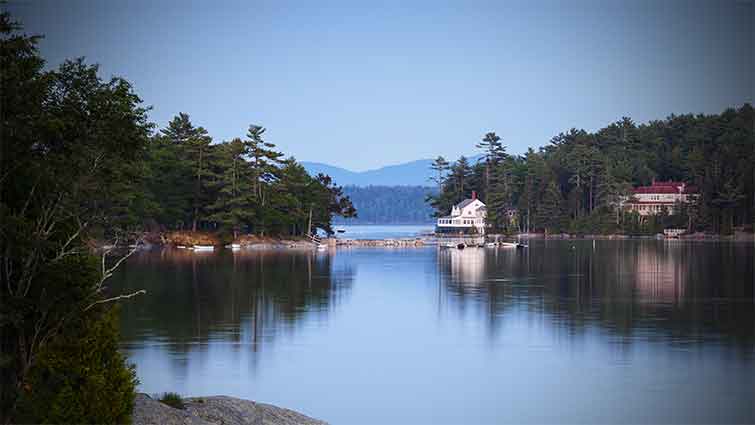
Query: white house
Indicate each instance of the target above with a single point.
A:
(660, 196)
(468, 216)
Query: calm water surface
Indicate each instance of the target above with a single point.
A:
(568, 332)
(372, 231)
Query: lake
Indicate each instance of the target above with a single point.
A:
(562, 332)
(376, 231)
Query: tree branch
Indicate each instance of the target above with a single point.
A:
(119, 297)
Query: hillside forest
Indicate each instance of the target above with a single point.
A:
(578, 182)
(389, 204)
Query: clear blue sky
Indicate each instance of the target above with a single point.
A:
(365, 84)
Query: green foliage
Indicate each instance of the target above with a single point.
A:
(234, 203)
(173, 400)
(579, 180)
(72, 144)
(390, 204)
(81, 377)
(240, 186)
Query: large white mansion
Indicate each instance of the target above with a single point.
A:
(468, 216)
(659, 196)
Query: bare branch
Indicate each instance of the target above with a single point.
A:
(28, 200)
(64, 248)
(107, 273)
(119, 297)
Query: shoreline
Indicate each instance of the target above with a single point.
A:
(203, 241)
(214, 410)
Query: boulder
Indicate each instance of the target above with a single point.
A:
(220, 410)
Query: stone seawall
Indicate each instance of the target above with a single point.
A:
(380, 242)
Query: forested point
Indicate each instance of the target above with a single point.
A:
(81, 168)
(389, 204)
(241, 186)
(579, 182)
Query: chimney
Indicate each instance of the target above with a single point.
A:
(474, 195)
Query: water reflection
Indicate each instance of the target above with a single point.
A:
(565, 331)
(682, 292)
(245, 298)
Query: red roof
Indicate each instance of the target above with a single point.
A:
(666, 187)
(635, 202)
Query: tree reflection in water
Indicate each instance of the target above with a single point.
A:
(680, 292)
(245, 298)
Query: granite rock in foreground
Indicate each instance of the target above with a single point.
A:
(220, 410)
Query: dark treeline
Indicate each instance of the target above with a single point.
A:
(80, 161)
(238, 186)
(389, 204)
(577, 182)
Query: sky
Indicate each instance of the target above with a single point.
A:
(366, 84)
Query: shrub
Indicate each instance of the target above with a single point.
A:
(173, 400)
(81, 377)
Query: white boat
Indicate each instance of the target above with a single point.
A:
(491, 244)
(204, 248)
(321, 247)
(508, 245)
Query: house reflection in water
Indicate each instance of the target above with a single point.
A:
(661, 274)
(465, 266)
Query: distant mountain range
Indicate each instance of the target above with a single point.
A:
(414, 173)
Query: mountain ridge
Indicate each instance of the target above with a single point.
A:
(411, 173)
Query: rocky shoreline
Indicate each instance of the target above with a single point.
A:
(189, 240)
(215, 410)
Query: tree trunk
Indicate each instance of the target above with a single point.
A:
(197, 192)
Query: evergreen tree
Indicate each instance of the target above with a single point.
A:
(264, 161)
(193, 145)
(550, 211)
(460, 173)
(494, 153)
(440, 166)
(234, 205)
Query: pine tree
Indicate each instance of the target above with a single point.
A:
(494, 153)
(234, 204)
(440, 166)
(550, 212)
(460, 173)
(193, 143)
(264, 164)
